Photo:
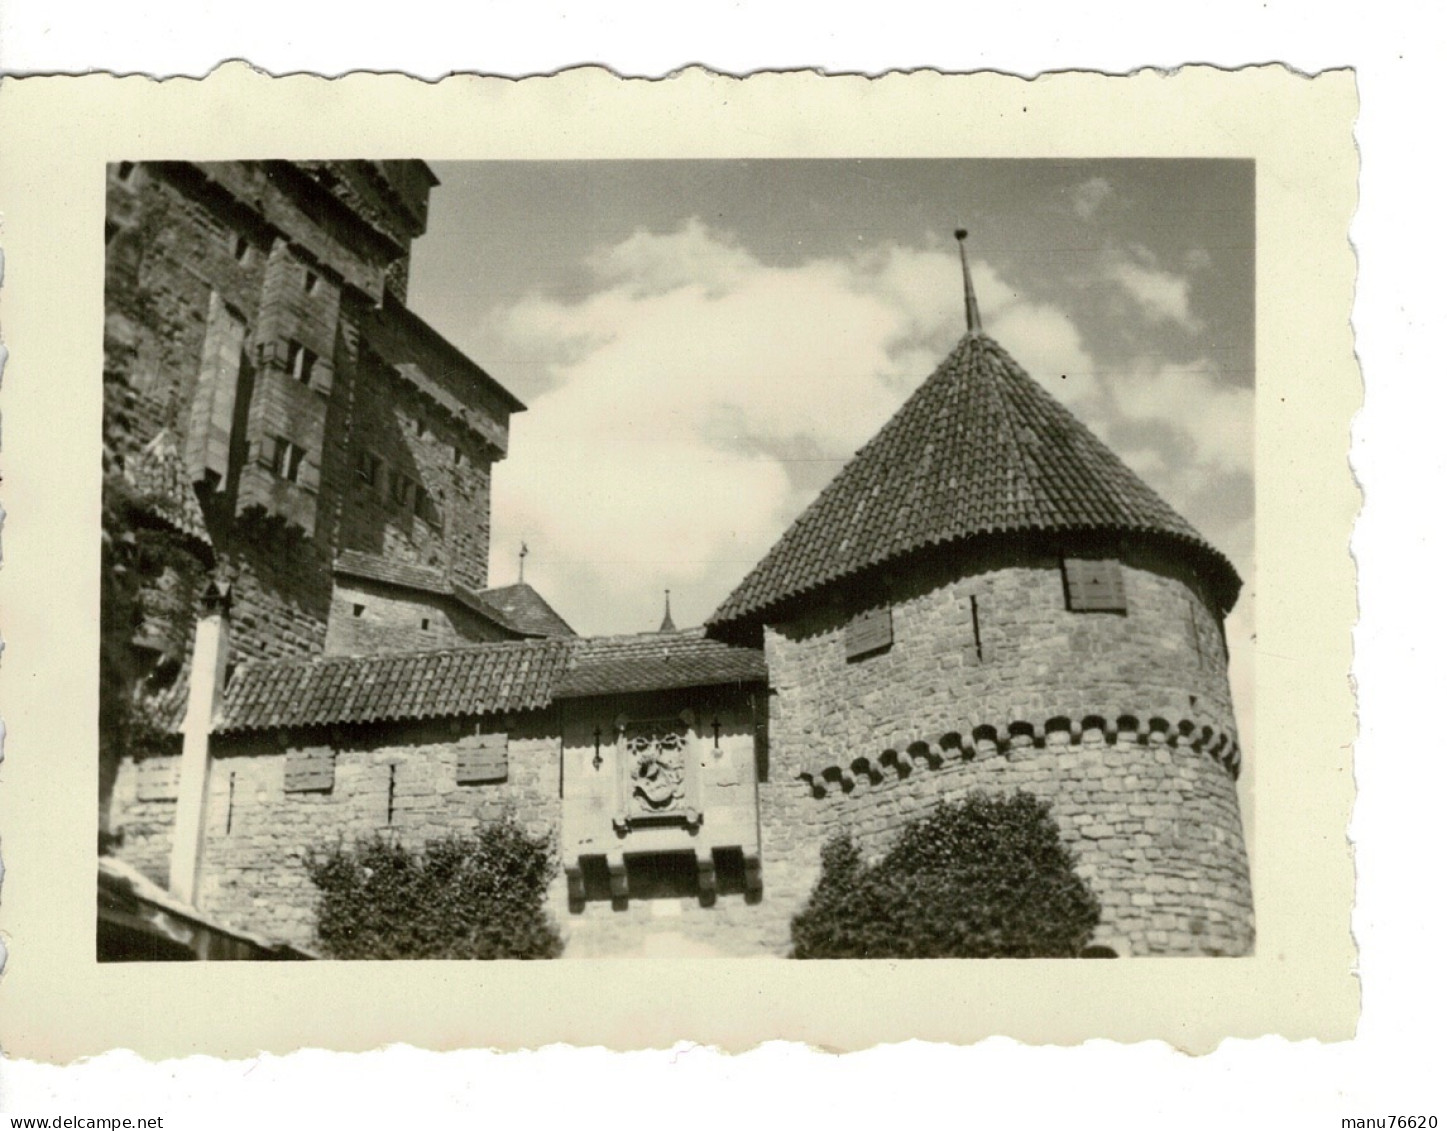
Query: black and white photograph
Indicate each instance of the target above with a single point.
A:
(700, 564)
(738, 558)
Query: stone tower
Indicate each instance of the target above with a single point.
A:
(987, 597)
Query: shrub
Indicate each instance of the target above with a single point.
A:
(457, 897)
(986, 877)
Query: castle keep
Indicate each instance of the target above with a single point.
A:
(985, 597)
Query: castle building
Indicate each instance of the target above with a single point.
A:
(985, 597)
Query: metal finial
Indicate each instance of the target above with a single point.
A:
(972, 307)
(522, 559)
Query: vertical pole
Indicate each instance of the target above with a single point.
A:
(972, 307)
(208, 684)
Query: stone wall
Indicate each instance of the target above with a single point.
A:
(1122, 721)
(666, 912)
(180, 249)
(258, 833)
(369, 617)
(438, 514)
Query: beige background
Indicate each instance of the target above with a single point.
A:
(56, 134)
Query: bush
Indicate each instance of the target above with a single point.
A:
(986, 877)
(458, 897)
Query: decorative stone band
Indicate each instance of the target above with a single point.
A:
(906, 756)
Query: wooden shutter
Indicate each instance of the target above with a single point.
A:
(1094, 585)
(868, 632)
(310, 769)
(321, 379)
(309, 477)
(158, 779)
(482, 758)
(266, 452)
(271, 354)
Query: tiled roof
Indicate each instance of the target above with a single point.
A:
(517, 608)
(324, 690)
(653, 661)
(980, 449)
(476, 679)
(354, 563)
(159, 474)
(525, 611)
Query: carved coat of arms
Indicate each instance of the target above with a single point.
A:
(655, 773)
(656, 768)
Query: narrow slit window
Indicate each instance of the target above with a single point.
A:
(240, 249)
(301, 362)
(403, 488)
(369, 469)
(288, 461)
(975, 625)
(311, 282)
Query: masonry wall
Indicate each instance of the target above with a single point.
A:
(181, 248)
(257, 833)
(1122, 721)
(665, 914)
(367, 618)
(143, 813)
(419, 488)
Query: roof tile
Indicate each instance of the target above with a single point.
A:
(476, 679)
(979, 449)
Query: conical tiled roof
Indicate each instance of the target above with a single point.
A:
(979, 450)
(525, 611)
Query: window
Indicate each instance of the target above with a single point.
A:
(311, 282)
(425, 508)
(482, 758)
(287, 459)
(403, 489)
(309, 769)
(868, 633)
(358, 610)
(426, 624)
(124, 170)
(240, 249)
(300, 362)
(1094, 585)
(368, 469)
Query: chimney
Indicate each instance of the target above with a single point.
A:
(208, 684)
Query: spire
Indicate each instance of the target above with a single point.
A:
(667, 625)
(972, 308)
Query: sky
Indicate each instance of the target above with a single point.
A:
(702, 345)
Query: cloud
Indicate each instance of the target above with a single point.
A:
(694, 399)
(1087, 197)
(1161, 295)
